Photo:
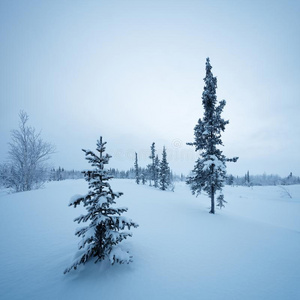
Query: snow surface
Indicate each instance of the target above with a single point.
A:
(249, 250)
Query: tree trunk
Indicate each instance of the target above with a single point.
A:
(212, 209)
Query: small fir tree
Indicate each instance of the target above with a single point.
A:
(100, 238)
(136, 169)
(182, 177)
(164, 172)
(59, 174)
(143, 178)
(210, 169)
(247, 179)
(221, 201)
(156, 171)
(230, 180)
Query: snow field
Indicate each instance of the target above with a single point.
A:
(249, 250)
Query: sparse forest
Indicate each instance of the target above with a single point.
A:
(189, 196)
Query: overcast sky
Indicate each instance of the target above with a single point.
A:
(133, 72)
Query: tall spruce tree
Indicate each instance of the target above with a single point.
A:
(209, 172)
(151, 167)
(164, 172)
(105, 230)
(136, 169)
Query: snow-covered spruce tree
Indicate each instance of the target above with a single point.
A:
(105, 230)
(164, 172)
(209, 172)
(136, 169)
(151, 167)
(143, 178)
(221, 201)
(156, 171)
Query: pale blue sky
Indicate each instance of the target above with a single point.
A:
(132, 71)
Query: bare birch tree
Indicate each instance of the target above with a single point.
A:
(27, 156)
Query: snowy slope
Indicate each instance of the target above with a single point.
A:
(249, 250)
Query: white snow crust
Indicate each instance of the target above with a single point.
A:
(248, 250)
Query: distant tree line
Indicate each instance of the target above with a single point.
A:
(8, 180)
(62, 174)
(262, 180)
(59, 174)
(143, 173)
